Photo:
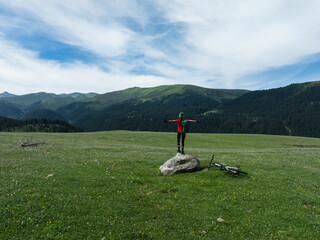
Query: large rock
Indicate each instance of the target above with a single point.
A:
(180, 163)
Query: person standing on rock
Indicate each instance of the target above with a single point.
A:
(183, 128)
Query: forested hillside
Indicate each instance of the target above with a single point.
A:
(6, 94)
(295, 107)
(173, 97)
(25, 106)
(36, 125)
(292, 110)
(145, 108)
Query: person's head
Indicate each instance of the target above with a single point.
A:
(181, 115)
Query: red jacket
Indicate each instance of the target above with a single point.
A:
(179, 121)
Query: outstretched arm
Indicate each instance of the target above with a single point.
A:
(195, 121)
(169, 121)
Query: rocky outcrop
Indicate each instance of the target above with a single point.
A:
(180, 163)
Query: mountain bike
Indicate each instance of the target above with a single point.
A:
(235, 170)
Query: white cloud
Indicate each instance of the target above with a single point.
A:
(22, 71)
(79, 23)
(221, 41)
(237, 38)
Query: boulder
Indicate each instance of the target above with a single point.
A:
(180, 163)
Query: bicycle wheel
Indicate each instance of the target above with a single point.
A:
(235, 170)
(242, 172)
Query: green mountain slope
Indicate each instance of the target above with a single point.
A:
(6, 94)
(108, 99)
(35, 125)
(135, 103)
(23, 106)
(26, 100)
(142, 114)
(291, 110)
(43, 113)
(10, 110)
(275, 101)
(58, 101)
(296, 106)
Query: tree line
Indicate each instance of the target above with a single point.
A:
(288, 111)
(36, 125)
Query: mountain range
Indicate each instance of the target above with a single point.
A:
(6, 94)
(23, 106)
(290, 110)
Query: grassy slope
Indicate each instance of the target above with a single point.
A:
(43, 100)
(62, 100)
(159, 92)
(107, 185)
(28, 99)
(275, 101)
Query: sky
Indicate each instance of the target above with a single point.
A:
(65, 46)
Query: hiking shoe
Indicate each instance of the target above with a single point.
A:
(178, 151)
(182, 151)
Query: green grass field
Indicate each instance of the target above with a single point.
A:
(107, 185)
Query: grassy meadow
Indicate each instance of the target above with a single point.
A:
(107, 185)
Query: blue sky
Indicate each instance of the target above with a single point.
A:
(106, 45)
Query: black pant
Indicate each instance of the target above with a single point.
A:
(183, 137)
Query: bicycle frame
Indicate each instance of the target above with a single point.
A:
(235, 170)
